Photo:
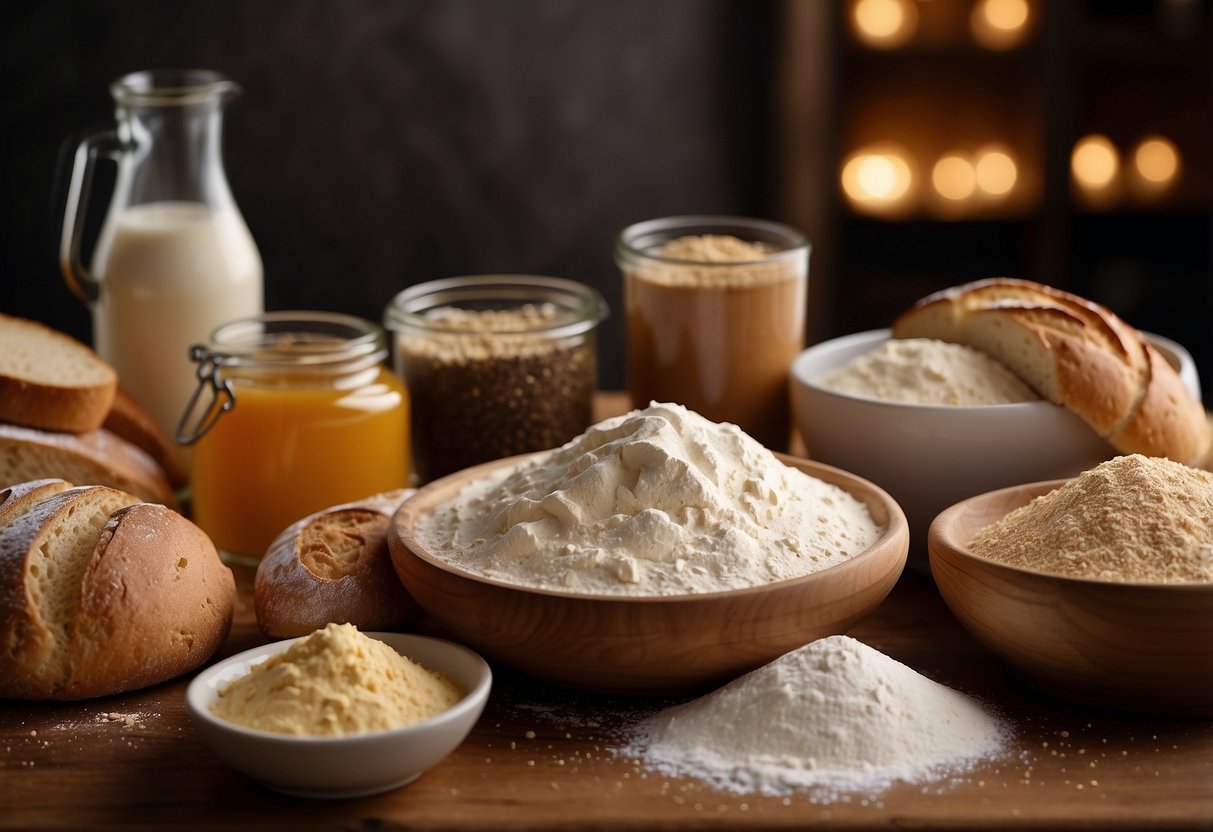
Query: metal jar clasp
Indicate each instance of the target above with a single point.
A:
(222, 399)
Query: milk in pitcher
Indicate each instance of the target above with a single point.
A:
(169, 273)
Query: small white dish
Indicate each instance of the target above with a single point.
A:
(343, 767)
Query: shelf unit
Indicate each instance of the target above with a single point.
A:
(1124, 69)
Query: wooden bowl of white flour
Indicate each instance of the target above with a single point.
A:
(585, 634)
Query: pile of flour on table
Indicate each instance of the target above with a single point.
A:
(659, 501)
(835, 714)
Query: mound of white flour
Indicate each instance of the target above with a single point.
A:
(659, 501)
(926, 371)
(834, 713)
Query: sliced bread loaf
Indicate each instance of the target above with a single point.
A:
(128, 420)
(101, 594)
(1073, 352)
(51, 381)
(19, 498)
(94, 458)
(44, 555)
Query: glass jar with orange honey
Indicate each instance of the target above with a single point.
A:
(296, 412)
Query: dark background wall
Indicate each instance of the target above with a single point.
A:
(381, 143)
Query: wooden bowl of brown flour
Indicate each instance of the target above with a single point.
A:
(1099, 591)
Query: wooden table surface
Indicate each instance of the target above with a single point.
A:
(542, 757)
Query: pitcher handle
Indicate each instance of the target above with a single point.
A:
(79, 279)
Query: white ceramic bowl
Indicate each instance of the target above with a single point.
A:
(342, 767)
(929, 457)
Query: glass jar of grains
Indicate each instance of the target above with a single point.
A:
(496, 365)
(294, 412)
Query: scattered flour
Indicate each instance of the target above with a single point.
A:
(926, 371)
(834, 714)
(656, 502)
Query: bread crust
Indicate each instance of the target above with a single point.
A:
(32, 659)
(1168, 421)
(156, 602)
(95, 458)
(293, 600)
(128, 420)
(73, 406)
(1075, 353)
(20, 497)
(152, 601)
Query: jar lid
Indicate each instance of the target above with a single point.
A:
(311, 340)
(276, 344)
(561, 307)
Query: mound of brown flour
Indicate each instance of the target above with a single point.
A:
(1132, 518)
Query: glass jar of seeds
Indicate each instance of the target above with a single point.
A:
(496, 365)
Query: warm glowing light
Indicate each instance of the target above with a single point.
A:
(884, 23)
(1005, 14)
(877, 178)
(1094, 162)
(1000, 24)
(954, 178)
(996, 171)
(1156, 160)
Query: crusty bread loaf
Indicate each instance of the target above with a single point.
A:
(94, 458)
(51, 381)
(101, 594)
(1073, 352)
(333, 567)
(20, 497)
(128, 420)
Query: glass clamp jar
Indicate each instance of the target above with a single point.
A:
(294, 412)
(496, 365)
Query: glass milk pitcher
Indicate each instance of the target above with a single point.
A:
(174, 259)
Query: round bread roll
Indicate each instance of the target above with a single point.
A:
(101, 594)
(333, 567)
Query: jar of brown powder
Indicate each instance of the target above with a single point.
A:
(715, 314)
(496, 365)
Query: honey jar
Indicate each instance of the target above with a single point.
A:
(294, 412)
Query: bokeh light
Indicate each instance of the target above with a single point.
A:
(1000, 24)
(1094, 163)
(954, 178)
(1156, 160)
(885, 24)
(877, 179)
(996, 170)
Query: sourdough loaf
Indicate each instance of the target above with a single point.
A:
(101, 594)
(128, 420)
(20, 497)
(333, 567)
(1075, 353)
(51, 381)
(94, 458)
